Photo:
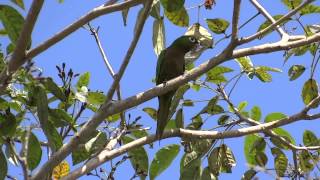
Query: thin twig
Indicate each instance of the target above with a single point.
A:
(275, 24)
(109, 67)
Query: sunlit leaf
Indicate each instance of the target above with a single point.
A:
(248, 175)
(158, 36)
(139, 158)
(172, 5)
(217, 25)
(267, 23)
(163, 159)
(256, 113)
(34, 151)
(310, 139)
(261, 159)
(274, 116)
(12, 21)
(296, 71)
(151, 112)
(179, 17)
(83, 80)
(309, 92)
(179, 119)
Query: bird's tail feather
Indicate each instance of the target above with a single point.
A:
(163, 113)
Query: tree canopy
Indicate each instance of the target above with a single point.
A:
(247, 105)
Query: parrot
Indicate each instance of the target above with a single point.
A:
(171, 64)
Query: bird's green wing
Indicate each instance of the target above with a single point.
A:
(159, 64)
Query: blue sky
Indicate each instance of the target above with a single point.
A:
(80, 52)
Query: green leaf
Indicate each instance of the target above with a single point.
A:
(172, 5)
(261, 159)
(158, 36)
(3, 165)
(215, 75)
(79, 154)
(229, 160)
(12, 21)
(84, 80)
(291, 4)
(113, 118)
(245, 64)
(96, 98)
(8, 124)
(34, 151)
(54, 138)
(54, 89)
(250, 148)
(215, 161)
(310, 139)
(242, 105)
(179, 17)
(248, 175)
(267, 23)
(256, 113)
(305, 161)
(284, 134)
(163, 159)
(97, 143)
(60, 118)
(207, 175)
(179, 119)
(274, 116)
(18, 3)
(151, 112)
(280, 161)
(310, 9)
(309, 92)
(155, 10)
(223, 119)
(296, 71)
(263, 75)
(217, 25)
(191, 170)
(139, 158)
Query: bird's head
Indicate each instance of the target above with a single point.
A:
(186, 43)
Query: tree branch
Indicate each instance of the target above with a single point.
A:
(235, 20)
(18, 57)
(265, 13)
(111, 108)
(275, 24)
(107, 110)
(140, 24)
(267, 132)
(186, 133)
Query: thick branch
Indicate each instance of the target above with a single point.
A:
(18, 56)
(185, 133)
(268, 132)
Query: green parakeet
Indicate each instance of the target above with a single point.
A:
(171, 64)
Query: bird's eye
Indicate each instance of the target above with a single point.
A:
(192, 39)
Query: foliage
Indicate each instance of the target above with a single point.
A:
(39, 114)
